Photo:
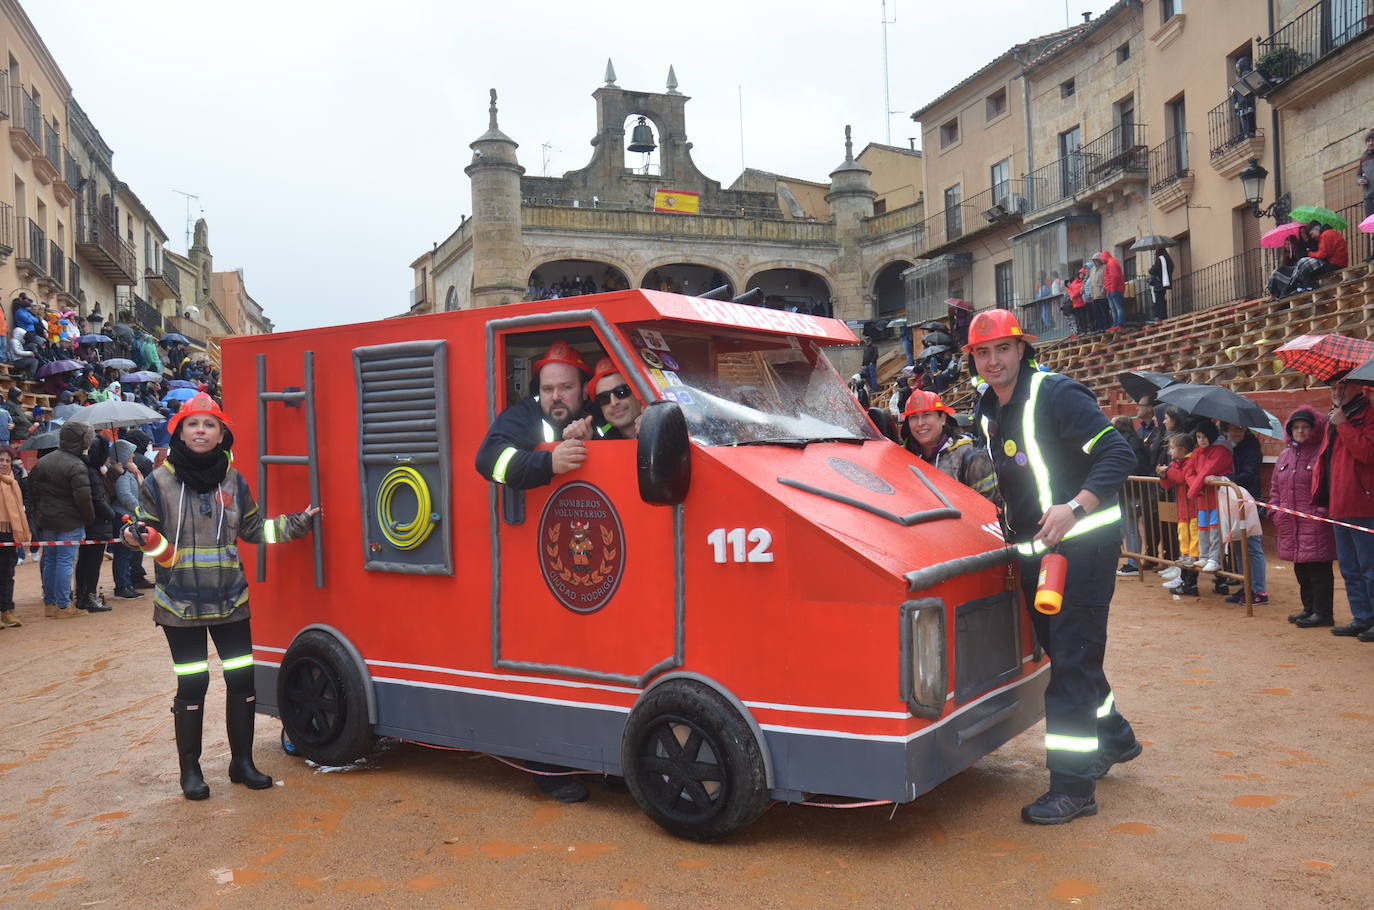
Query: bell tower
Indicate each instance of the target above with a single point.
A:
(851, 201)
(496, 244)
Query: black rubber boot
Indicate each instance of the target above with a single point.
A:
(187, 718)
(239, 716)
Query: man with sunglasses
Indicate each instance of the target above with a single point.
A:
(510, 454)
(615, 400)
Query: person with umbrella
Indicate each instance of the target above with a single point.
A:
(1331, 255)
(1209, 461)
(1245, 472)
(1059, 467)
(1344, 486)
(198, 501)
(1160, 280)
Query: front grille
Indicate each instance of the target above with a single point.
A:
(987, 644)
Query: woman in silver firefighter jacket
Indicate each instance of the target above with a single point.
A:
(191, 512)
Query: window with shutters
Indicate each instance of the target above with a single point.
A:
(403, 457)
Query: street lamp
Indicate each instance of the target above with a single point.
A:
(1252, 178)
(95, 319)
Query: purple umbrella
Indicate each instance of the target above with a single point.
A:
(59, 366)
(141, 376)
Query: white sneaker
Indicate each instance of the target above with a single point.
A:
(1211, 566)
(1171, 573)
(1173, 584)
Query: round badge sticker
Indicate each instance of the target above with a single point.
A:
(581, 547)
(668, 362)
(1020, 459)
(1009, 447)
(651, 358)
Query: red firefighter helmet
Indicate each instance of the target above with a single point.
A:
(200, 404)
(562, 352)
(604, 367)
(993, 324)
(921, 401)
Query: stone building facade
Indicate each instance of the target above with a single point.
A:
(812, 247)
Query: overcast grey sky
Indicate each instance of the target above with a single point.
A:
(327, 145)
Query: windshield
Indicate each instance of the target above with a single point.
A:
(740, 388)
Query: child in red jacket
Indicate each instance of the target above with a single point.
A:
(1175, 477)
(1208, 461)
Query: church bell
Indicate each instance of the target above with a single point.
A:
(642, 138)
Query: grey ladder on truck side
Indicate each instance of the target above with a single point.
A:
(291, 398)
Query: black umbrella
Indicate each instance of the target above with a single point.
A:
(934, 349)
(935, 326)
(933, 338)
(174, 336)
(1144, 383)
(1152, 242)
(1215, 402)
(41, 441)
(1363, 374)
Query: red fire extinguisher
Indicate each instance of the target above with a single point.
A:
(1049, 591)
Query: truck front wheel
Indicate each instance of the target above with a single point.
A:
(692, 763)
(323, 702)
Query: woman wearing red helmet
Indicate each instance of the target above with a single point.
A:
(930, 432)
(192, 511)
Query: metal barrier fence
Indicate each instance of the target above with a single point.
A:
(1150, 525)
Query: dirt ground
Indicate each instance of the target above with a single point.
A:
(1255, 789)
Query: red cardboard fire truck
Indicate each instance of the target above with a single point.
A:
(759, 598)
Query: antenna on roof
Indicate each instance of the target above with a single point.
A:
(887, 80)
(189, 197)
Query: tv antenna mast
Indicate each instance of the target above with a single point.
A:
(546, 148)
(887, 76)
(189, 197)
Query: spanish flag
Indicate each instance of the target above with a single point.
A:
(677, 202)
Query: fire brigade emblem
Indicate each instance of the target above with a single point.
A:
(581, 547)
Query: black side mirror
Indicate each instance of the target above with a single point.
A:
(664, 455)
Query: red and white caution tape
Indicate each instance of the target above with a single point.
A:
(1330, 521)
(55, 543)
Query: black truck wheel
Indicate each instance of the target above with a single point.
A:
(692, 763)
(323, 701)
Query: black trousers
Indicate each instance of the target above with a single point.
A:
(1317, 586)
(189, 650)
(1161, 303)
(8, 557)
(1080, 711)
(88, 561)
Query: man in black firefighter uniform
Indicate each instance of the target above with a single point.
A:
(509, 455)
(1059, 465)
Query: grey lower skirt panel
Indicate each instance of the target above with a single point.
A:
(902, 771)
(589, 739)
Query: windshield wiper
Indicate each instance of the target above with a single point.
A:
(857, 440)
(786, 442)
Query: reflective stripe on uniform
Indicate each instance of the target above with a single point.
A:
(550, 435)
(498, 473)
(269, 530)
(237, 663)
(199, 666)
(1094, 521)
(1070, 743)
(1088, 446)
(1107, 705)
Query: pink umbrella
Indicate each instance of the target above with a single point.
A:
(1368, 225)
(958, 304)
(1274, 238)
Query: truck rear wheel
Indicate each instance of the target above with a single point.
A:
(323, 701)
(692, 763)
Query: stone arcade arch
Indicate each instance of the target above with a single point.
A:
(802, 290)
(569, 277)
(889, 290)
(686, 278)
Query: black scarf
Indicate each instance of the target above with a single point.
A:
(202, 473)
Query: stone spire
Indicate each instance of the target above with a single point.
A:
(610, 73)
(493, 140)
(850, 179)
(672, 81)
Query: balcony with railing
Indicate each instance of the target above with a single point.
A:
(6, 232)
(47, 166)
(417, 295)
(163, 282)
(1320, 33)
(57, 267)
(192, 330)
(1233, 137)
(1171, 180)
(1114, 164)
(4, 95)
(143, 313)
(98, 240)
(26, 127)
(31, 255)
(74, 282)
(64, 188)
